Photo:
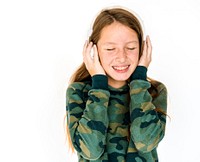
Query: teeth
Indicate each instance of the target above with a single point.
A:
(120, 67)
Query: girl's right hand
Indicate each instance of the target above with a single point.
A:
(92, 63)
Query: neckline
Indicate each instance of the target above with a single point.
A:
(124, 88)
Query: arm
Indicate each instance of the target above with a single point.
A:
(88, 120)
(147, 125)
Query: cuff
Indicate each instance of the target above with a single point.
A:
(139, 73)
(100, 82)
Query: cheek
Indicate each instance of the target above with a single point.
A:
(104, 61)
(104, 58)
(134, 58)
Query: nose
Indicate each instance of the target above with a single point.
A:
(121, 56)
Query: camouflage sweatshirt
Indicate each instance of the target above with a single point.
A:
(116, 125)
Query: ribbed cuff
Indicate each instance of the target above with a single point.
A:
(100, 82)
(139, 73)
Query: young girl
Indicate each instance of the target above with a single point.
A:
(114, 112)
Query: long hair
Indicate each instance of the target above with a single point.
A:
(107, 17)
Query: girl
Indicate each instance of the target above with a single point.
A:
(114, 112)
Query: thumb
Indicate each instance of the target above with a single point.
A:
(95, 54)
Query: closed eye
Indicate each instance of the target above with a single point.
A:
(131, 48)
(110, 49)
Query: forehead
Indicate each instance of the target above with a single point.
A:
(116, 33)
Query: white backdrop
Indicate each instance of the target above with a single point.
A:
(40, 46)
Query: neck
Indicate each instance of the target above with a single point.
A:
(116, 84)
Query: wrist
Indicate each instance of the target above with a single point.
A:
(139, 73)
(99, 81)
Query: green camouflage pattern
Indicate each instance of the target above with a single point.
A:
(116, 125)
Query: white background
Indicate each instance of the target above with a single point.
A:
(40, 46)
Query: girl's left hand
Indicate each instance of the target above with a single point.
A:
(145, 59)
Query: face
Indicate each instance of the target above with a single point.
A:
(118, 49)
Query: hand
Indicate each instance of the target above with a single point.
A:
(92, 62)
(145, 59)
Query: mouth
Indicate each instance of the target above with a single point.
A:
(121, 69)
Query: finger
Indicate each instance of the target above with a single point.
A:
(96, 56)
(86, 51)
(144, 48)
(85, 46)
(148, 40)
(149, 46)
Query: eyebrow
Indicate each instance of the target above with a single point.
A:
(108, 43)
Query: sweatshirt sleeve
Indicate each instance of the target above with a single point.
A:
(147, 125)
(139, 73)
(87, 118)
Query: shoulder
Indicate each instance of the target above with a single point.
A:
(77, 85)
(158, 92)
(158, 86)
(78, 88)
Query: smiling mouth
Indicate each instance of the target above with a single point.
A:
(121, 68)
